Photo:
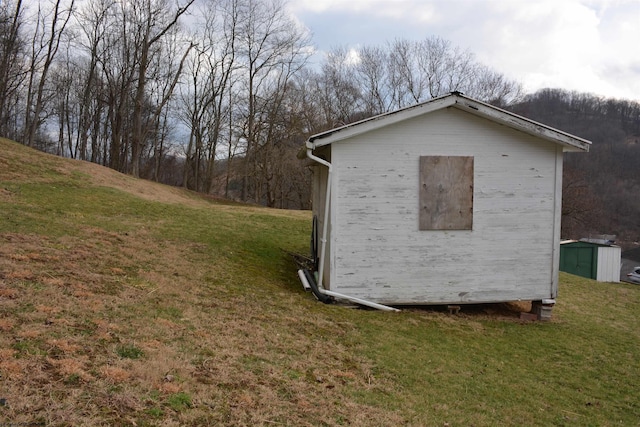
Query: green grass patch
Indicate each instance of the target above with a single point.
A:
(154, 412)
(28, 347)
(129, 352)
(179, 401)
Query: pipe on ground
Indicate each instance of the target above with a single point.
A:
(308, 281)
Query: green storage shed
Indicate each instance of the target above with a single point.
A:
(597, 261)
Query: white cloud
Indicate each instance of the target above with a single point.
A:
(393, 9)
(545, 43)
(583, 45)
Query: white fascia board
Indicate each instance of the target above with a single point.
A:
(375, 122)
(531, 127)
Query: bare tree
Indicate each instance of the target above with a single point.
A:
(165, 72)
(494, 87)
(64, 106)
(407, 82)
(151, 20)
(580, 208)
(341, 96)
(205, 100)
(94, 24)
(134, 64)
(373, 73)
(49, 30)
(117, 61)
(11, 63)
(271, 50)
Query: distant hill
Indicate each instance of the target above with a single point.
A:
(601, 188)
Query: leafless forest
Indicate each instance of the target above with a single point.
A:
(601, 189)
(218, 96)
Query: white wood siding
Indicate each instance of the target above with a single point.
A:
(379, 254)
(609, 259)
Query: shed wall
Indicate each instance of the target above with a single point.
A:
(609, 258)
(378, 253)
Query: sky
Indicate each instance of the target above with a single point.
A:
(590, 46)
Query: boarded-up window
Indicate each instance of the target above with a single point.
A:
(446, 193)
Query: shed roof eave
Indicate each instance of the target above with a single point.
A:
(374, 122)
(568, 141)
(457, 100)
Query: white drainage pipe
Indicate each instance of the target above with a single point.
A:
(306, 285)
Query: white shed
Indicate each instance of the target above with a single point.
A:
(450, 201)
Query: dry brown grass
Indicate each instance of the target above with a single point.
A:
(70, 302)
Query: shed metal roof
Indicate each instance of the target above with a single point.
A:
(586, 243)
(461, 102)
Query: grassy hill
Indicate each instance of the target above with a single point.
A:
(124, 302)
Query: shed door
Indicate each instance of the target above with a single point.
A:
(581, 261)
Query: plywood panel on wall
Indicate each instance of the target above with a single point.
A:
(446, 193)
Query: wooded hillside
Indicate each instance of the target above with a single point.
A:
(601, 188)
